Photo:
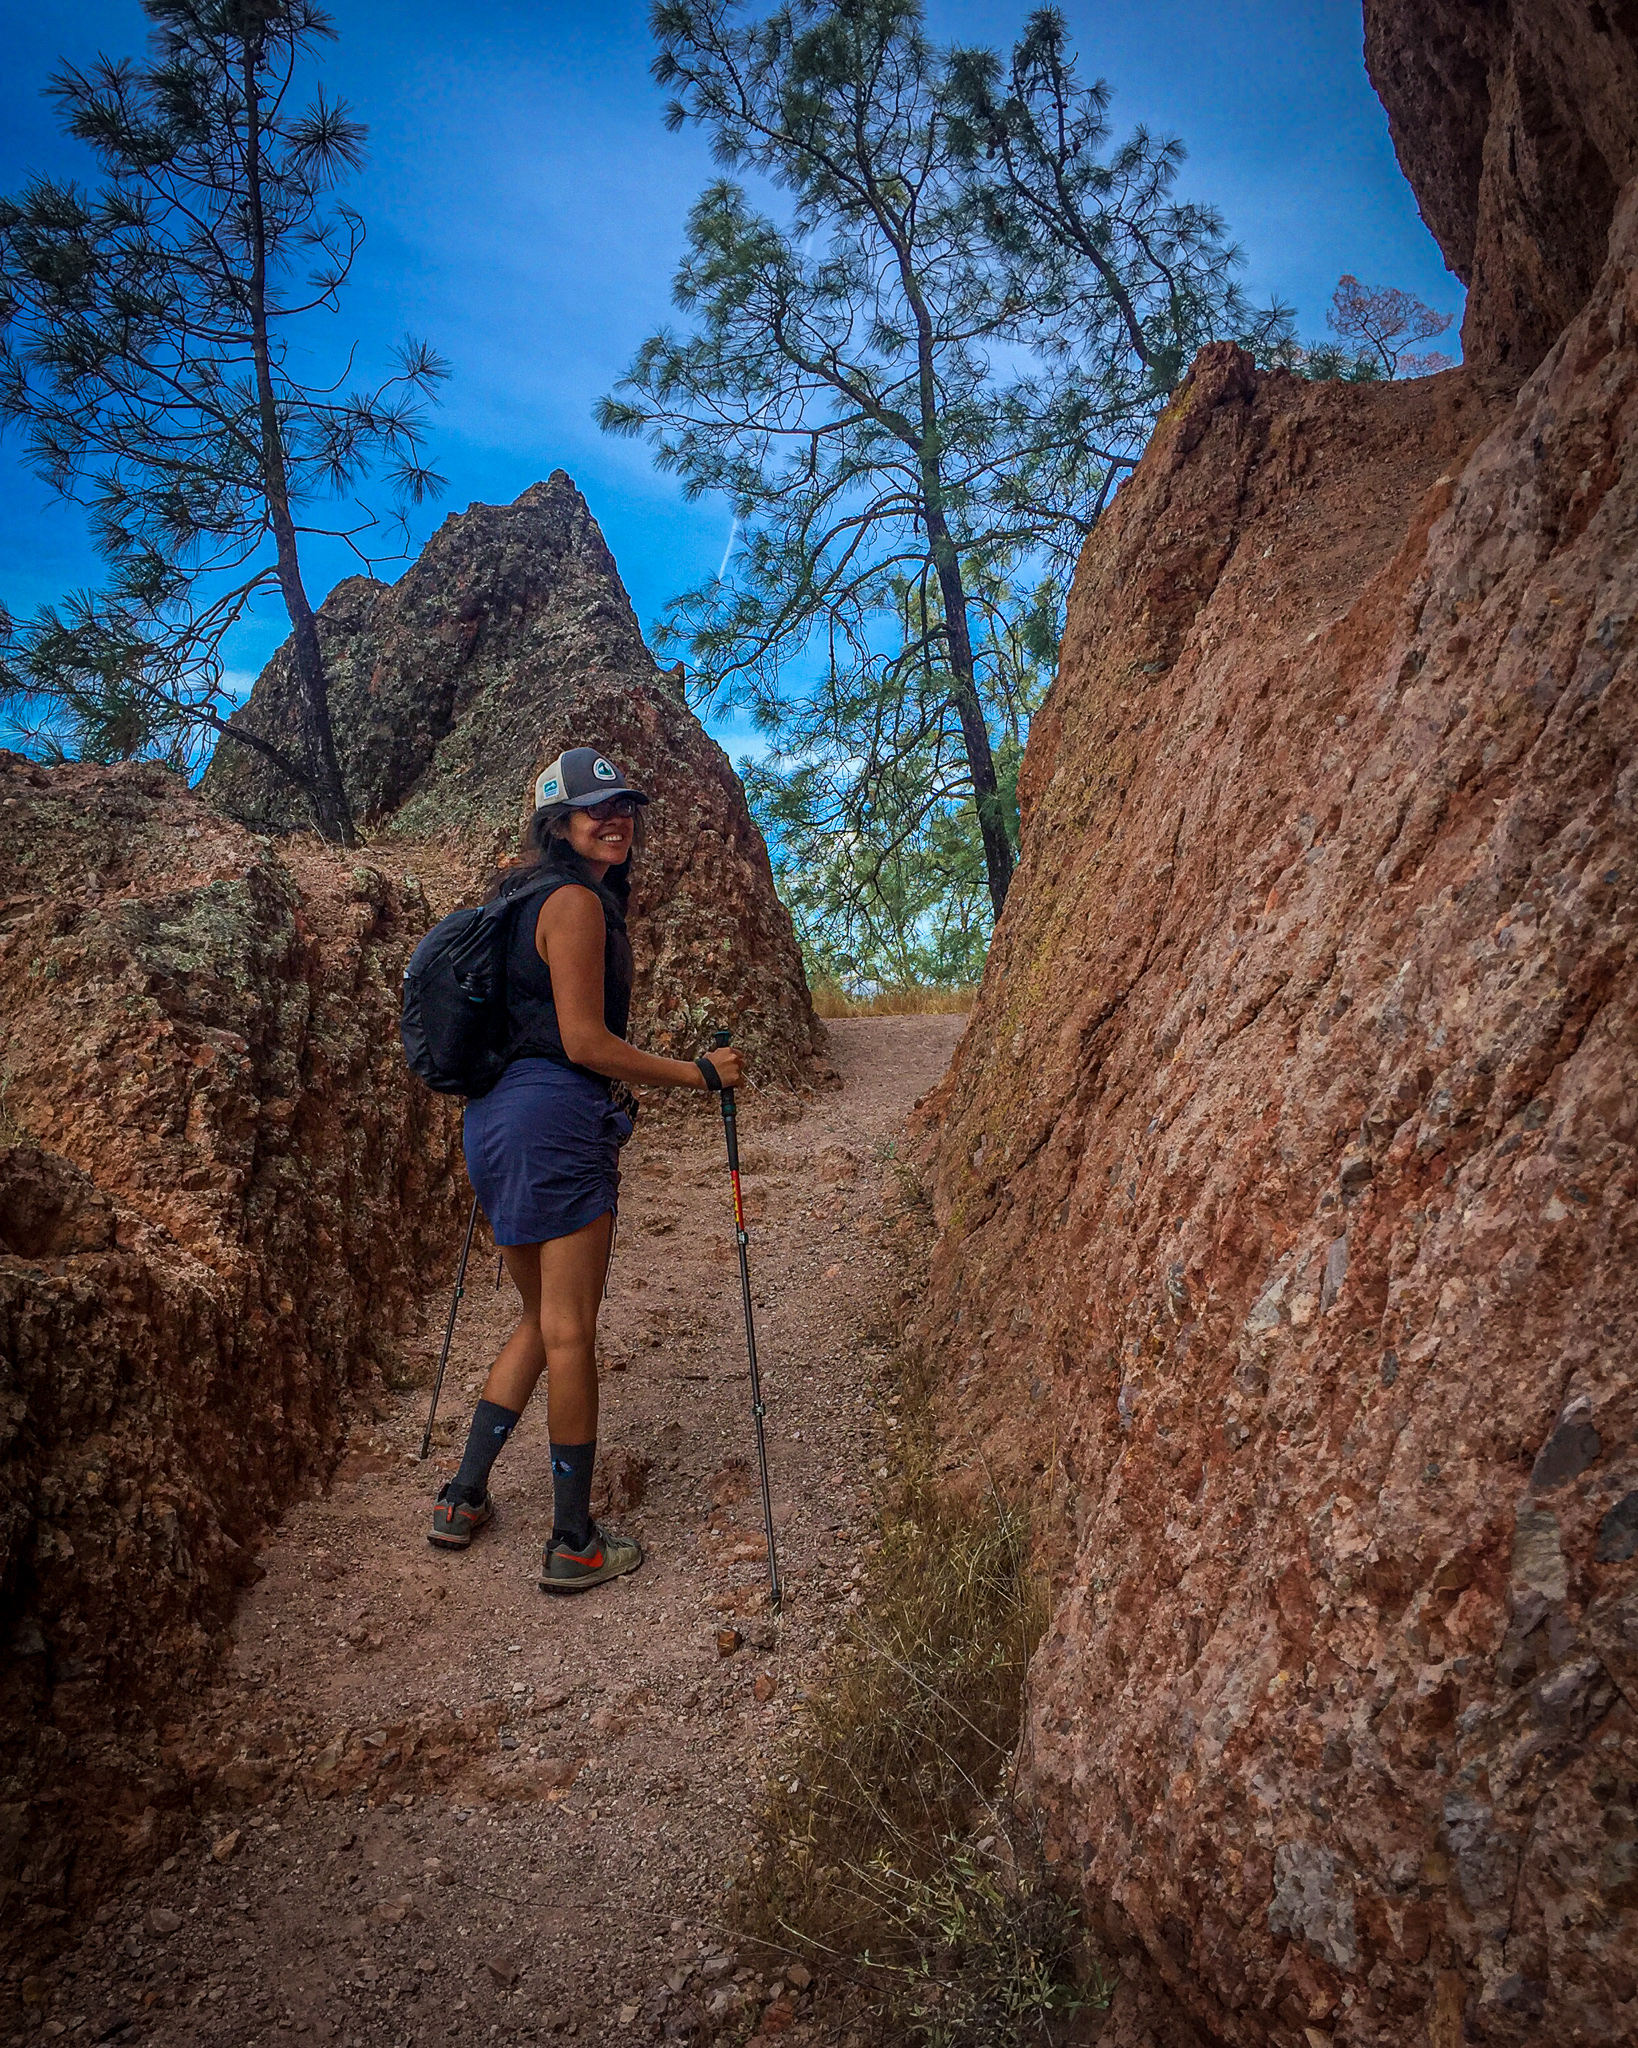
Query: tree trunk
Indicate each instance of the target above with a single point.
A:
(292, 770)
(975, 733)
(327, 796)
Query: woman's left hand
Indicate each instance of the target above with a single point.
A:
(728, 1065)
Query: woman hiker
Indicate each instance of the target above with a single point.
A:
(542, 1148)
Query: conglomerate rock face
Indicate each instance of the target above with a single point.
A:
(1286, 1179)
(221, 1196)
(1517, 123)
(510, 639)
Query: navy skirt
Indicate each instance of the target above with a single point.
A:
(543, 1151)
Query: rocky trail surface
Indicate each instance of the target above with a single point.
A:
(435, 1805)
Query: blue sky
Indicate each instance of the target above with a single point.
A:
(525, 209)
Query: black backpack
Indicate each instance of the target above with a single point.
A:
(455, 1023)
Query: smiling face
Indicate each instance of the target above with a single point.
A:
(603, 841)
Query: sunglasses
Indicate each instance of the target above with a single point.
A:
(612, 807)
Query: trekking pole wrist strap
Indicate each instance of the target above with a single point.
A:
(713, 1080)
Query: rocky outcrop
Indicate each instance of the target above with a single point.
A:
(510, 639)
(1286, 1179)
(1517, 123)
(221, 1196)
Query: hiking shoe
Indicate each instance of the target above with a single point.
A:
(455, 1521)
(564, 1569)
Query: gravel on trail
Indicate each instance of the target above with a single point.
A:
(437, 1804)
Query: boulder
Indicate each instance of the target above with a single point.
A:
(1286, 1182)
(509, 639)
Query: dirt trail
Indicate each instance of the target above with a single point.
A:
(463, 1809)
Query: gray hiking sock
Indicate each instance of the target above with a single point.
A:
(491, 1426)
(571, 1492)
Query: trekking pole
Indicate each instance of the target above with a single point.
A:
(730, 1129)
(449, 1327)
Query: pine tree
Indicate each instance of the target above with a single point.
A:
(901, 385)
(1381, 325)
(147, 354)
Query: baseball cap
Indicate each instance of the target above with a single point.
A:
(580, 778)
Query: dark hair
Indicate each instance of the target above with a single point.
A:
(545, 839)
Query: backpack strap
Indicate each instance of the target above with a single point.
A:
(546, 885)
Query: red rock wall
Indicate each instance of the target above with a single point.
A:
(221, 1195)
(1286, 1182)
(1517, 123)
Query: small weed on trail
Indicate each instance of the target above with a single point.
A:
(915, 1198)
(892, 1852)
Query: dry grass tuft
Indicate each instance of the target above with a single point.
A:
(892, 1851)
(830, 999)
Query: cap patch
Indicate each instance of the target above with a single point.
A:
(605, 771)
(549, 786)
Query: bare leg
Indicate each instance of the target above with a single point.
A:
(522, 1359)
(561, 1283)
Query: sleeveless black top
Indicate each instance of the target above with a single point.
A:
(533, 1012)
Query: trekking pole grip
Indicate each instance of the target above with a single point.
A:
(730, 1114)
